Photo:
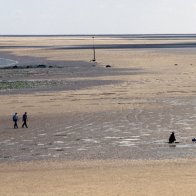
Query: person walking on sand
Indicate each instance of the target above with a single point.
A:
(15, 120)
(172, 138)
(24, 119)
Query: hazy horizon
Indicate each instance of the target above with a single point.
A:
(109, 34)
(97, 17)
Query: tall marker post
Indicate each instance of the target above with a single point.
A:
(94, 58)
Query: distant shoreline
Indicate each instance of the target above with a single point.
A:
(109, 46)
(110, 35)
(7, 63)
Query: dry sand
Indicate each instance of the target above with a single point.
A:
(115, 178)
(95, 115)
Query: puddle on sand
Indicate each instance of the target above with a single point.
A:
(188, 128)
(186, 145)
(41, 144)
(82, 149)
(125, 143)
(132, 139)
(67, 147)
(43, 134)
(59, 142)
(112, 137)
(91, 141)
(146, 134)
(160, 142)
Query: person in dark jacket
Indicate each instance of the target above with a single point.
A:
(15, 120)
(24, 119)
(172, 138)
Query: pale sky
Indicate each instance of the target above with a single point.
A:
(97, 16)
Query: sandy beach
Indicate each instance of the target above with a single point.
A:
(118, 178)
(95, 130)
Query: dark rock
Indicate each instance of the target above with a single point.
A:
(15, 67)
(41, 66)
(7, 157)
(59, 150)
(107, 66)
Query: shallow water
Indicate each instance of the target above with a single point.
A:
(7, 62)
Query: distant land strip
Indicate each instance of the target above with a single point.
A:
(110, 46)
(128, 36)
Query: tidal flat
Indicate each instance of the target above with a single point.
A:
(128, 100)
(98, 127)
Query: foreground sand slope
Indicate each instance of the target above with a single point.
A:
(115, 178)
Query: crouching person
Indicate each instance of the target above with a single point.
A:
(172, 138)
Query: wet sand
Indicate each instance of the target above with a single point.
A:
(83, 113)
(134, 133)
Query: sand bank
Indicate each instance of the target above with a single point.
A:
(100, 178)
